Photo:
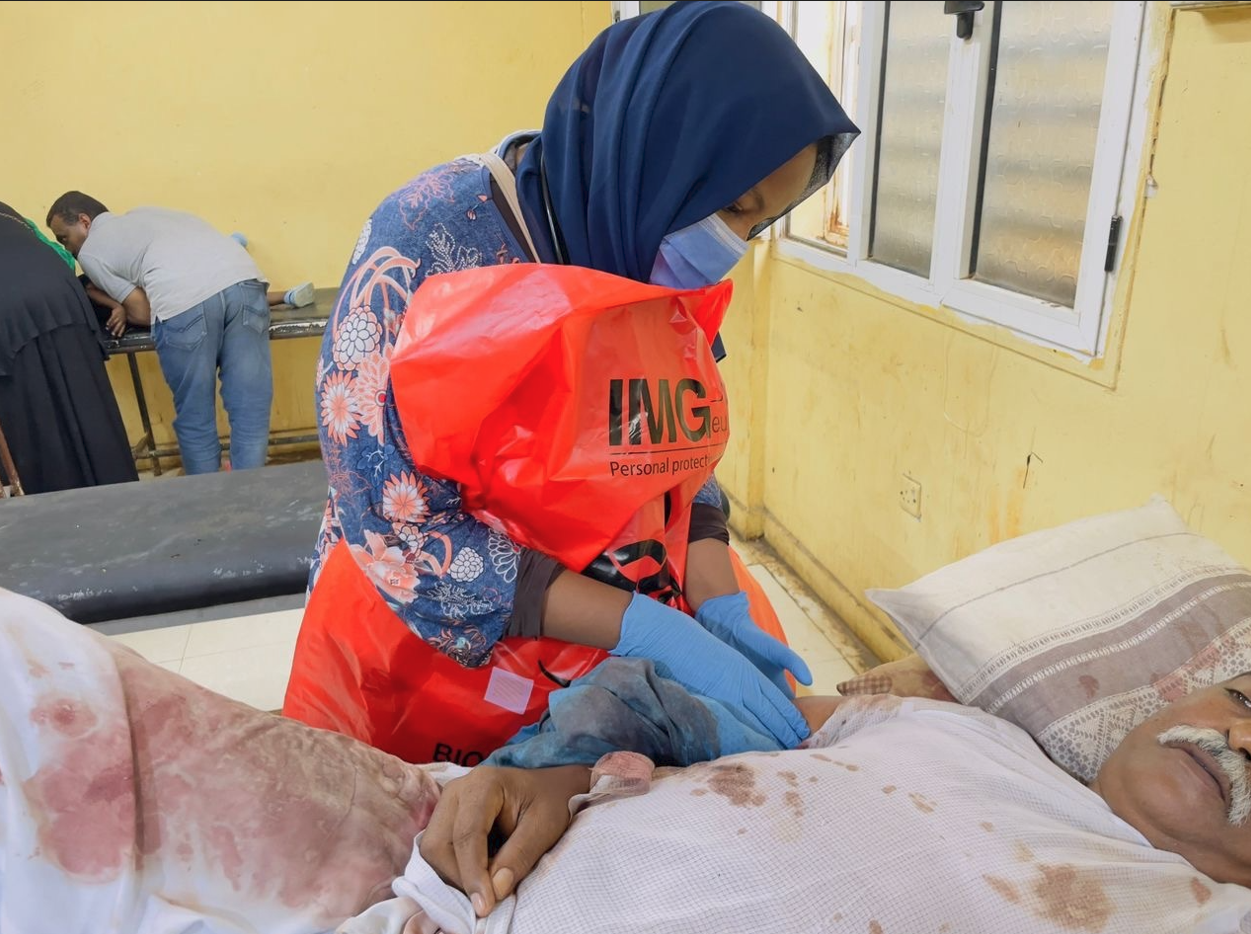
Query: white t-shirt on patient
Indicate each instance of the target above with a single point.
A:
(176, 258)
(900, 817)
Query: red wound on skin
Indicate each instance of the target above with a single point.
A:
(83, 805)
(223, 800)
(68, 716)
(247, 792)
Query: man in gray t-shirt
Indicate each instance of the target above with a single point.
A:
(206, 302)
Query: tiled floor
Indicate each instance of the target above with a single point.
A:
(249, 658)
(828, 665)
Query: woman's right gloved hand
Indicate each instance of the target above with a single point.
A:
(686, 652)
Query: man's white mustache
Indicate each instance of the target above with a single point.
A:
(1233, 764)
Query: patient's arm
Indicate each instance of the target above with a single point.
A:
(818, 708)
(529, 809)
(138, 311)
(116, 323)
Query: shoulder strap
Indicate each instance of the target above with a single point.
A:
(508, 185)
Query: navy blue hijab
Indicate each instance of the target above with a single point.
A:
(665, 120)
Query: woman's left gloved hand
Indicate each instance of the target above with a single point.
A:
(729, 619)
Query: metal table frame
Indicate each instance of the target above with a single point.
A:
(285, 323)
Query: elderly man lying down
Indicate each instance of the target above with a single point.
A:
(134, 801)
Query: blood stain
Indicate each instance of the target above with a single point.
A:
(794, 802)
(737, 783)
(922, 803)
(1004, 889)
(1200, 891)
(1074, 900)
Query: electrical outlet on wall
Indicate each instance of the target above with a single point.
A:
(910, 496)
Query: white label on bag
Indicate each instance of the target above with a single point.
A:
(507, 690)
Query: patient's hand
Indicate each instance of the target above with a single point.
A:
(116, 324)
(528, 808)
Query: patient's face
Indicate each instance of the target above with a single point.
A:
(1181, 779)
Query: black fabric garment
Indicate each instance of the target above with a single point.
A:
(57, 409)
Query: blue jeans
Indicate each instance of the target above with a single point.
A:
(227, 332)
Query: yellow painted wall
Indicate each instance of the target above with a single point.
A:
(859, 388)
(287, 121)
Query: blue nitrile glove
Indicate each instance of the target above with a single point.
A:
(695, 658)
(729, 619)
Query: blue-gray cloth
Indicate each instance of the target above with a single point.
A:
(625, 705)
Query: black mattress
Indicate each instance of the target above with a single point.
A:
(137, 549)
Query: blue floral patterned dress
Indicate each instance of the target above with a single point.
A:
(448, 576)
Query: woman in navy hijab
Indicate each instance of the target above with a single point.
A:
(674, 139)
(669, 119)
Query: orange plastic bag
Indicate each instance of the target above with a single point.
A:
(579, 413)
(582, 411)
(359, 671)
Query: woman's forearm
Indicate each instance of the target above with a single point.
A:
(709, 572)
(588, 612)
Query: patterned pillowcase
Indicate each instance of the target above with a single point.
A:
(1078, 634)
(907, 677)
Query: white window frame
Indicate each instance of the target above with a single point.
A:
(1080, 330)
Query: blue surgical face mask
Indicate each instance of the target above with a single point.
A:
(698, 255)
